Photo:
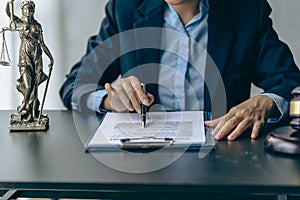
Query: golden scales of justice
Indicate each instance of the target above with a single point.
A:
(29, 115)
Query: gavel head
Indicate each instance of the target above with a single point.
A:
(295, 109)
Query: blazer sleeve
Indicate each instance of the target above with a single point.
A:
(276, 71)
(96, 67)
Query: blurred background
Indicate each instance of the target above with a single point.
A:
(67, 24)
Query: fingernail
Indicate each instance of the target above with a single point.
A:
(130, 108)
(254, 137)
(213, 132)
(217, 137)
(145, 101)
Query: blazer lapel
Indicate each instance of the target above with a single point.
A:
(147, 36)
(148, 15)
(220, 33)
(220, 40)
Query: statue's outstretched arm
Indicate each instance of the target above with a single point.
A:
(10, 13)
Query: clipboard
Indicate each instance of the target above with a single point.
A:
(99, 141)
(146, 142)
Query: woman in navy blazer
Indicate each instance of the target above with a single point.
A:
(241, 42)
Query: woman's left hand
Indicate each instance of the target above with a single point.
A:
(252, 114)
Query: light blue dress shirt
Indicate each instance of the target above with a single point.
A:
(181, 85)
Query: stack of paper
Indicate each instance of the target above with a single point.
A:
(172, 129)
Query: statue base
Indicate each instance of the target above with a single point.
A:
(18, 124)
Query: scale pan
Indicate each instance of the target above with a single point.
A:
(5, 63)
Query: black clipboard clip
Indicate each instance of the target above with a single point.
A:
(146, 142)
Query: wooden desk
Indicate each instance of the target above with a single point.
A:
(54, 164)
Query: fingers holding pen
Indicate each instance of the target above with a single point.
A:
(110, 90)
(134, 90)
(128, 95)
(127, 87)
(117, 99)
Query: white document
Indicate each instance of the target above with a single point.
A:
(183, 128)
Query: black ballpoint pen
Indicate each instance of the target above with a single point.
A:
(143, 108)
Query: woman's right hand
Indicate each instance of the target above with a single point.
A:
(128, 94)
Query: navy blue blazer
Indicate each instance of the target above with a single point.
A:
(241, 42)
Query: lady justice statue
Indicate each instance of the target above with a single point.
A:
(29, 116)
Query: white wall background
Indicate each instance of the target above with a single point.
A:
(67, 25)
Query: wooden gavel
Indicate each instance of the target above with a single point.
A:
(291, 144)
(295, 109)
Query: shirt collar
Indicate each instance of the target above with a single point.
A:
(171, 17)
